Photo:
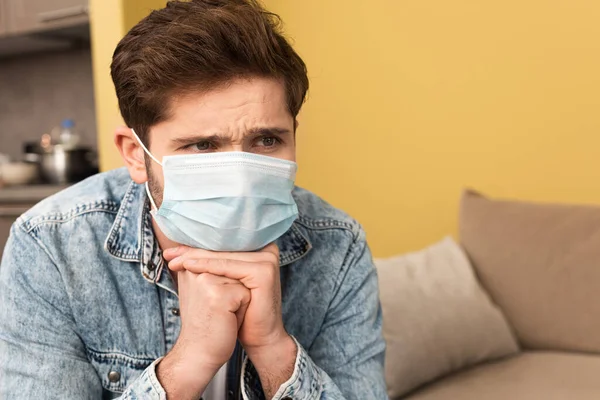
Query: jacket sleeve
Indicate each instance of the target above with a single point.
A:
(346, 360)
(41, 353)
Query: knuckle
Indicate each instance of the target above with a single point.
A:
(202, 263)
(267, 272)
(205, 279)
(185, 256)
(275, 249)
(272, 258)
(222, 263)
(236, 292)
(213, 295)
(242, 295)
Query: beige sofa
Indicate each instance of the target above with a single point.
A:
(539, 264)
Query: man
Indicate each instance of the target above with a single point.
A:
(139, 282)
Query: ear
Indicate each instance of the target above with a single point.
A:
(132, 154)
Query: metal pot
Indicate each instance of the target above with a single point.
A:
(61, 165)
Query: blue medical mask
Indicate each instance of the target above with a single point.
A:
(226, 201)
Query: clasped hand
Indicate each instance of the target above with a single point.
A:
(244, 285)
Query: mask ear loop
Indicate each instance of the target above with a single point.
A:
(152, 203)
(145, 149)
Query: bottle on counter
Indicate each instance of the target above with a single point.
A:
(67, 136)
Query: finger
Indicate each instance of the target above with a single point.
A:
(240, 314)
(173, 252)
(176, 266)
(211, 279)
(236, 296)
(249, 273)
(227, 293)
(271, 248)
(222, 280)
(270, 255)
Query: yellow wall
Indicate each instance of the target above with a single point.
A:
(110, 20)
(106, 19)
(413, 100)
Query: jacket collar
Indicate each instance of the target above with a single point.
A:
(131, 237)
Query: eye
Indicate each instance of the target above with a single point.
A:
(268, 141)
(202, 146)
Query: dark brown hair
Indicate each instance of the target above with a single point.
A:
(198, 45)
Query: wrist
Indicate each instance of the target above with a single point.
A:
(278, 355)
(275, 363)
(183, 377)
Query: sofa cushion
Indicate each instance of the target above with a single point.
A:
(541, 264)
(528, 376)
(436, 317)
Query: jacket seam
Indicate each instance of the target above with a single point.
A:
(60, 218)
(116, 225)
(127, 359)
(296, 255)
(44, 248)
(40, 244)
(350, 254)
(323, 224)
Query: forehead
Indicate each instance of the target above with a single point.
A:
(261, 100)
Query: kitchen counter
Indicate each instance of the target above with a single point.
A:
(27, 194)
(15, 200)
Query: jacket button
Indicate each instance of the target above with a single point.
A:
(175, 311)
(114, 376)
(150, 266)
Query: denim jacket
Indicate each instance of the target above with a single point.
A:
(87, 306)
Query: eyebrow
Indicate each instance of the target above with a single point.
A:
(266, 131)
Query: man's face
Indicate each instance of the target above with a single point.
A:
(245, 115)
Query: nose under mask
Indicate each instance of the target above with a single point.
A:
(227, 201)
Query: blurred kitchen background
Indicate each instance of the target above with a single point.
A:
(47, 115)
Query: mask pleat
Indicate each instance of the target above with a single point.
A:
(226, 201)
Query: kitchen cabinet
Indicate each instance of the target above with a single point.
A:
(29, 26)
(27, 16)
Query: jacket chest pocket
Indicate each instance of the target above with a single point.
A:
(117, 371)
